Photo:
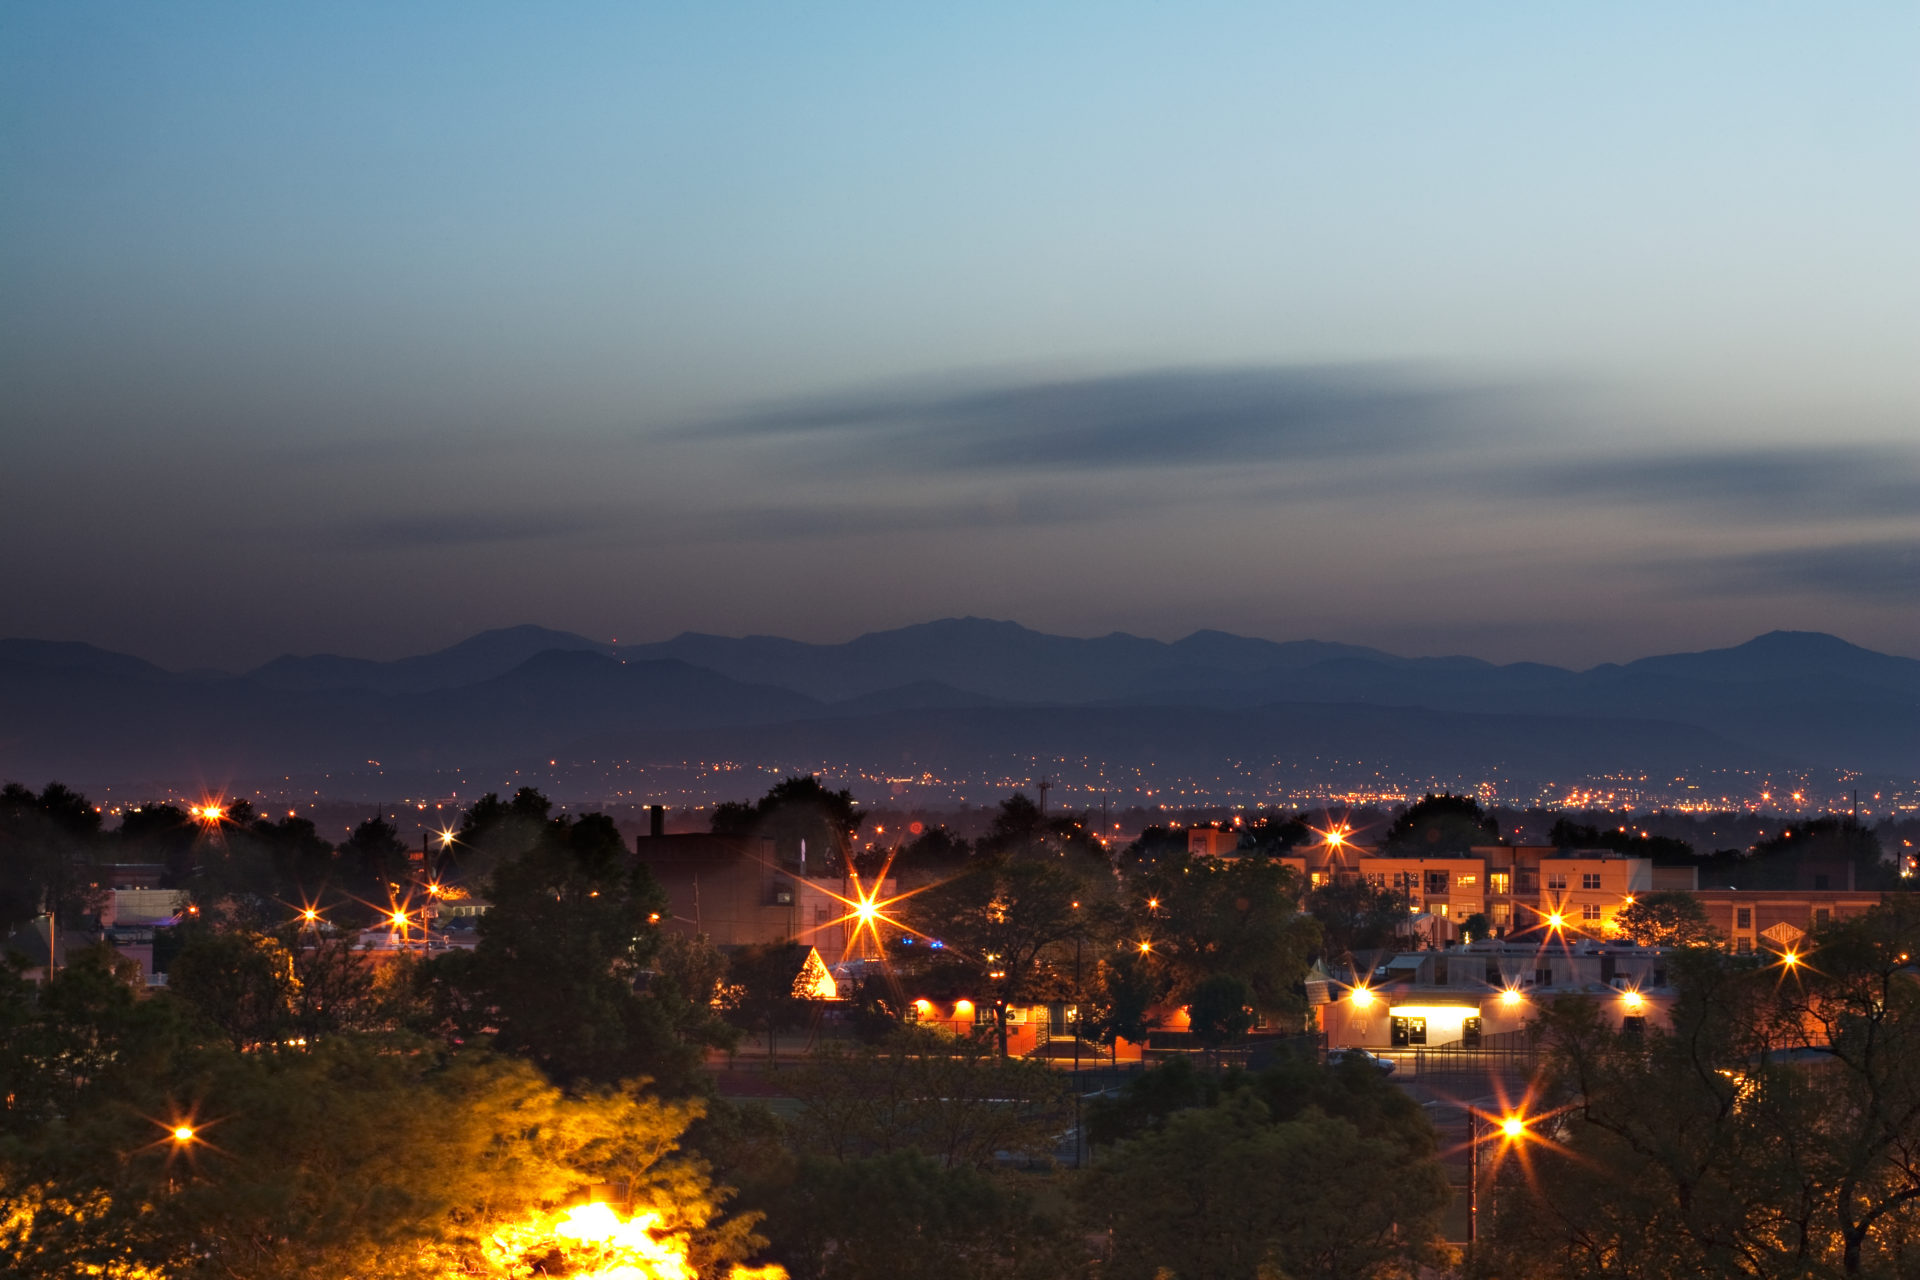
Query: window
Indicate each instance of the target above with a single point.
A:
(1822, 917)
(1503, 913)
(1439, 971)
(1589, 879)
(1436, 882)
(1316, 878)
(1543, 977)
(1744, 947)
(1500, 881)
(1494, 977)
(1556, 879)
(1466, 880)
(1589, 911)
(1634, 1025)
(1378, 879)
(1440, 909)
(1406, 881)
(1743, 917)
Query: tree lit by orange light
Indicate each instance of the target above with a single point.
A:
(593, 1242)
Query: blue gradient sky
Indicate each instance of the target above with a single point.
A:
(1534, 334)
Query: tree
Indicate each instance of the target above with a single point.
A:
(689, 983)
(902, 1214)
(1769, 1132)
(373, 861)
(163, 834)
(1442, 824)
(1233, 917)
(344, 1160)
(494, 831)
(797, 811)
(1128, 986)
(569, 933)
(763, 992)
(47, 847)
(1011, 925)
(1668, 918)
(1568, 834)
(240, 983)
(1356, 917)
(1184, 1200)
(1220, 1009)
(951, 1099)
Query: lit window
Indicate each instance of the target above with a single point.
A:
(1589, 911)
(1468, 880)
(1500, 881)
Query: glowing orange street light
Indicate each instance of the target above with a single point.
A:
(1513, 1127)
(183, 1134)
(310, 916)
(1789, 959)
(1511, 997)
(1361, 998)
(1145, 947)
(1633, 1000)
(1555, 920)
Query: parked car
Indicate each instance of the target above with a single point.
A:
(1385, 1066)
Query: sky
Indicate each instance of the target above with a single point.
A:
(1549, 333)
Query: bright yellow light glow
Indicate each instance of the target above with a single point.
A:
(1633, 1000)
(398, 919)
(1555, 920)
(592, 1242)
(1511, 997)
(1513, 1126)
(183, 1133)
(923, 1004)
(1361, 997)
(1146, 948)
(1153, 904)
(309, 915)
(962, 1008)
(210, 812)
(1789, 959)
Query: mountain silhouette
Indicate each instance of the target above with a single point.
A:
(961, 689)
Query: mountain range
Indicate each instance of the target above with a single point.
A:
(958, 695)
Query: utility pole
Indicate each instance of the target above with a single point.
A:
(1473, 1180)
